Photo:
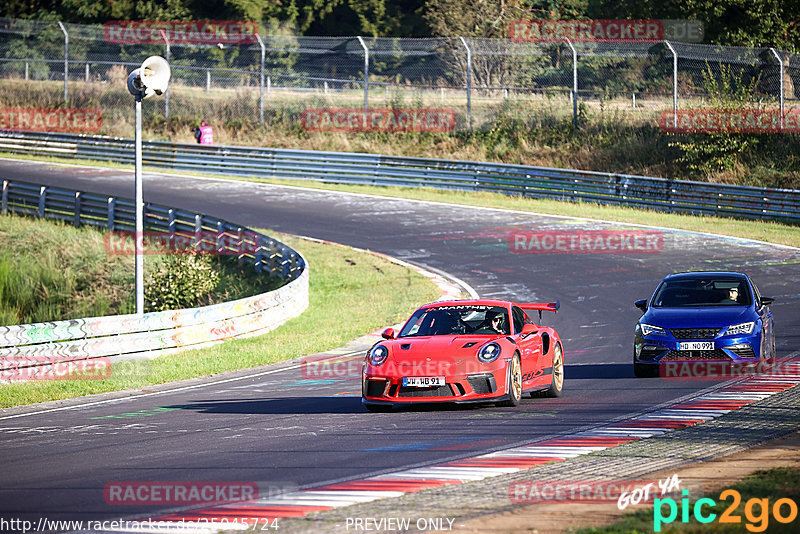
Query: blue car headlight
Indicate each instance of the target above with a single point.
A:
(378, 355)
(489, 352)
(742, 328)
(648, 329)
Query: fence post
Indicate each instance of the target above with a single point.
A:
(166, 93)
(781, 81)
(66, 62)
(469, 82)
(366, 72)
(261, 82)
(674, 83)
(86, 76)
(574, 82)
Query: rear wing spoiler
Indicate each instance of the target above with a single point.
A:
(540, 307)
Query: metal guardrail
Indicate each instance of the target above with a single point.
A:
(351, 168)
(34, 348)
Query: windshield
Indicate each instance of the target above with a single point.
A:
(455, 320)
(702, 292)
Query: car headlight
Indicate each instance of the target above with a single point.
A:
(648, 329)
(378, 354)
(489, 352)
(742, 328)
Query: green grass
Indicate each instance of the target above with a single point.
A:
(351, 293)
(51, 270)
(773, 485)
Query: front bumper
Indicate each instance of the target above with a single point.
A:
(489, 385)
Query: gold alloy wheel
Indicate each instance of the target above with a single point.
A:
(516, 378)
(558, 368)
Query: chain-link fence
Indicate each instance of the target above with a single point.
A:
(50, 64)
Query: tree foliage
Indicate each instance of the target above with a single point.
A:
(727, 22)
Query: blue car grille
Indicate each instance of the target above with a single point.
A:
(683, 355)
(694, 333)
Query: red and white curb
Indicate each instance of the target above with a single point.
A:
(301, 503)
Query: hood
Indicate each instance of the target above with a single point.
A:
(698, 317)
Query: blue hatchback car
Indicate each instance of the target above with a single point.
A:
(703, 316)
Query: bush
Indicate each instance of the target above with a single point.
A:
(181, 281)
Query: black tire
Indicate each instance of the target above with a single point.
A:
(378, 408)
(514, 383)
(556, 378)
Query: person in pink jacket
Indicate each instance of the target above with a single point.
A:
(204, 134)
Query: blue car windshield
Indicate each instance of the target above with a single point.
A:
(695, 292)
(457, 320)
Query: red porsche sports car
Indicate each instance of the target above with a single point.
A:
(465, 351)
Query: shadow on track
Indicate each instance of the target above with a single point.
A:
(598, 370)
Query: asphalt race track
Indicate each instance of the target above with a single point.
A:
(283, 430)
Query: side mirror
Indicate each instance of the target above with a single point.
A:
(767, 301)
(641, 304)
(388, 333)
(528, 329)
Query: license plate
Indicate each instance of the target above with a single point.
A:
(423, 381)
(696, 345)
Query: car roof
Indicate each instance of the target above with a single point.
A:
(472, 302)
(705, 274)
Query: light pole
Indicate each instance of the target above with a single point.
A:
(152, 78)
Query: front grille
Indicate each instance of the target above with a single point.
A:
(375, 388)
(439, 391)
(694, 333)
(482, 384)
(683, 355)
(745, 351)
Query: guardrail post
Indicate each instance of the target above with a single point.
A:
(198, 229)
(469, 82)
(780, 67)
(240, 244)
(112, 204)
(42, 200)
(261, 82)
(574, 83)
(220, 231)
(171, 228)
(4, 206)
(674, 83)
(76, 219)
(259, 254)
(366, 72)
(66, 62)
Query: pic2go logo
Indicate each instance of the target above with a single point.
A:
(756, 511)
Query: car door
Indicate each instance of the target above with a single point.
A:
(765, 315)
(530, 346)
